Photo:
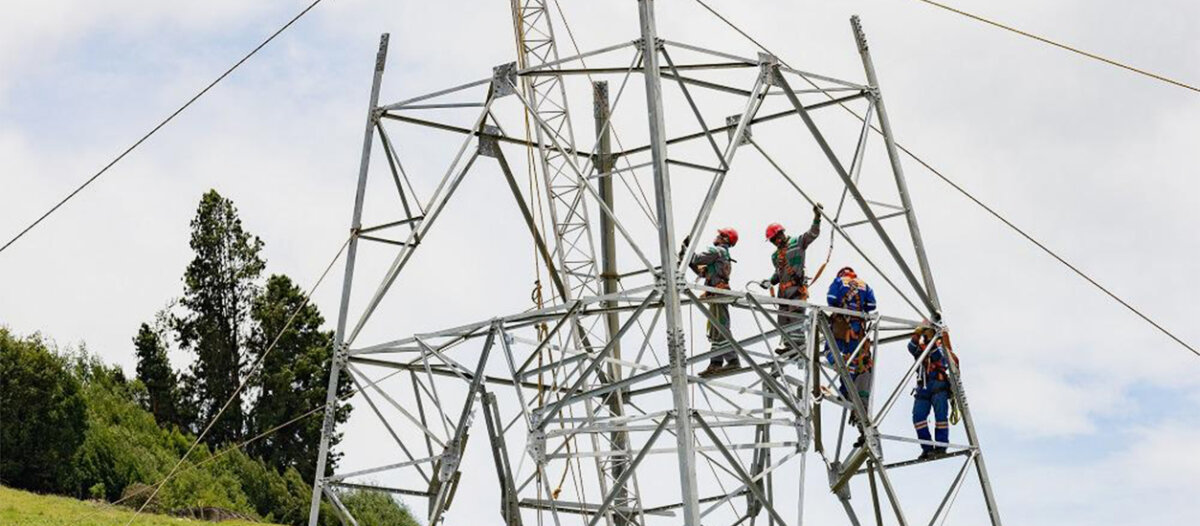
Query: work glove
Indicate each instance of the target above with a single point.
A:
(817, 208)
(684, 246)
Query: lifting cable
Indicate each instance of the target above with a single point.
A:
(976, 200)
(160, 125)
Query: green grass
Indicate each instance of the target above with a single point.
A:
(20, 508)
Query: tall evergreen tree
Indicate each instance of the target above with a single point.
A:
(154, 370)
(220, 285)
(293, 379)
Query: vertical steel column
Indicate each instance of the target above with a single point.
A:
(669, 275)
(608, 243)
(885, 127)
(335, 370)
(608, 276)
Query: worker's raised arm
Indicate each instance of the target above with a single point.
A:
(915, 345)
(815, 230)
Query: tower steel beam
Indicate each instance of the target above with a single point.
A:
(331, 397)
(669, 277)
(563, 405)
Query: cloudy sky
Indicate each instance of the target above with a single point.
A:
(1087, 414)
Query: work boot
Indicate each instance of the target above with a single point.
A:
(927, 454)
(732, 366)
(713, 368)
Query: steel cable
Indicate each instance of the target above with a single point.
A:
(164, 122)
(1075, 50)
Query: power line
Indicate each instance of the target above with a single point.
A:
(974, 199)
(1047, 250)
(1077, 51)
(159, 126)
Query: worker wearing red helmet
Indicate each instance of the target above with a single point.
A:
(715, 265)
(788, 260)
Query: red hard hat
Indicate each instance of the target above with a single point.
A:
(729, 233)
(847, 271)
(773, 229)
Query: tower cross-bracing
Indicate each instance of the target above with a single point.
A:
(612, 426)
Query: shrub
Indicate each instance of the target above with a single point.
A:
(42, 412)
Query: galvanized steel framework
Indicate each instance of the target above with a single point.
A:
(558, 400)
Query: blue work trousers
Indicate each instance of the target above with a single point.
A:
(934, 395)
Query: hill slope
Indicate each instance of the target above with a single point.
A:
(20, 508)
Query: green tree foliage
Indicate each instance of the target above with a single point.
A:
(293, 379)
(42, 414)
(219, 290)
(155, 373)
(372, 508)
(123, 444)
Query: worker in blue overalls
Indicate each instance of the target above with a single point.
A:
(933, 390)
(851, 293)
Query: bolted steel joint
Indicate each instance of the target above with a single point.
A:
(768, 68)
(803, 434)
(859, 35)
(537, 444)
(504, 80)
(873, 443)
(641, 44)
(746, 135)
(449, 463)
(489, 141)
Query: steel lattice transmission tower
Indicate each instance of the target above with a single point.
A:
(576, 429)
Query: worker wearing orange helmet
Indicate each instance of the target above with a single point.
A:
(788, 260)
(715, 265)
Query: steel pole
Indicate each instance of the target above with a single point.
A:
(608, 242)
(339, 351)
(885, 127)
(669, 276)
(608, 276)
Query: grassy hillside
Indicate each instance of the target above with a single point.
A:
(19, 508)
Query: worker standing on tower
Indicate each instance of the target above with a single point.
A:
(715, 265)
(933, 389)
(788, 260)
(851, 293)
